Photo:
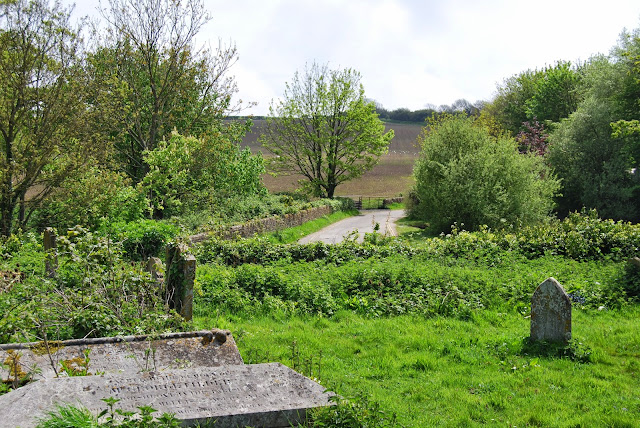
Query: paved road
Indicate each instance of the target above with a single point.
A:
(362, 223)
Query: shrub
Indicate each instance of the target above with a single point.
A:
(143, 238)
(262, 251)
(630, 281)
(199, 170)
(465, 175)
(90, 198)
(94, 293)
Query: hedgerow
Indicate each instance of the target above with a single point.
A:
(262, 251)
(396, 285)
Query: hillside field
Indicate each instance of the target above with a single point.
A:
(391, 177)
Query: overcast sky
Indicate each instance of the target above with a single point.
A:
(409, 52)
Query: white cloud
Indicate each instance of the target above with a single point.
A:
(409, 52)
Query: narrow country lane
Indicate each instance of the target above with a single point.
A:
(362, 223)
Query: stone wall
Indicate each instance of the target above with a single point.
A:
(388, 201)
(269, 224)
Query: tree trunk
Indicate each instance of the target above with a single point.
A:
(6, 209)
(331, 188)
(21, 212)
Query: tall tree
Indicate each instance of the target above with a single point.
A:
(151, 78)
(509, 107)
(546, 95)
(325, 129)
(556, 93)
(38, 103)
(595, 150)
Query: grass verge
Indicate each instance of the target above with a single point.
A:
(292, 234)
(450, 372)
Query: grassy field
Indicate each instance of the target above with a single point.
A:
(391, 177)
(448, 372)
(436, 331)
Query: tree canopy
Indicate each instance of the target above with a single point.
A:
(149, 78)
(596, 151)
(40, 105)
(325, 129)
(546, 95)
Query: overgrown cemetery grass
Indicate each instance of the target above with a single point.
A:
(437, 334)
(425, 332)
(445, 371)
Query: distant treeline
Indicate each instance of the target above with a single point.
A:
(417, 116)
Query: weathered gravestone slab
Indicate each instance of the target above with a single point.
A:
(550, 313)
(125, 355)
(258, 395)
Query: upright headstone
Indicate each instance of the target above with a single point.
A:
(180, 276)
(550, 313)
(51, 257)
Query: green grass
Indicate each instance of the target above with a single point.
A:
(396, 206)
(292, 234)
(410, 230)
(448, 372)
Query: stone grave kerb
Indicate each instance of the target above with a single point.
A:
(551, 313)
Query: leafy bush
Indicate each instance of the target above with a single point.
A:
(143, 238)
(425, 284)
(580, 236)
(90, 198)
(96, 292)
(241, 209)
(199, 170)
(630, 281)
(262, 251)
(465, 175)
(450, 275)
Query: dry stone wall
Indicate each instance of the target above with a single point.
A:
(269, 224)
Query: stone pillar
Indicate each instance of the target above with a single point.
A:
(180, 276)
(551, 313)
(51, 257)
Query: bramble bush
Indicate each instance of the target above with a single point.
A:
(96, 292)
(240, 209)
(394, 285)
(262, 251)
(448, 275)
(580, 236)
(141, 239)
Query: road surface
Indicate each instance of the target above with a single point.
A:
(362, 223)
